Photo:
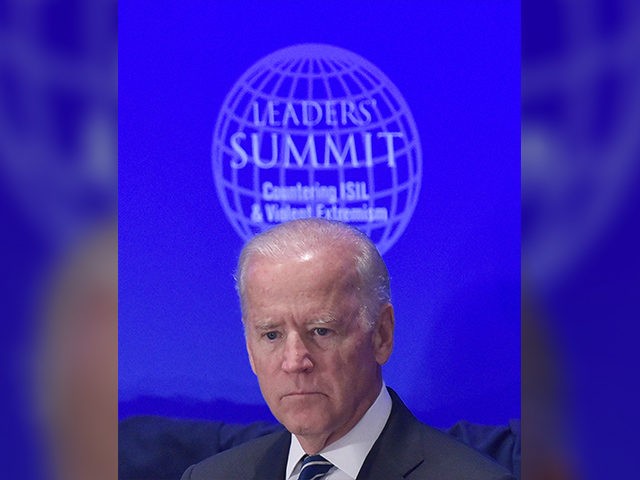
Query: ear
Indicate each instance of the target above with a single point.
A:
(383, 334)
(250, 353)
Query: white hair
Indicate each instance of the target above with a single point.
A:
(299, 237)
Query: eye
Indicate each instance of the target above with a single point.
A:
(271, 335)
(321, 332)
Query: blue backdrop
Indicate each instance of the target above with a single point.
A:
(456, 269)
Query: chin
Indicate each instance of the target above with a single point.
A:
(305, 427)
(305, 430)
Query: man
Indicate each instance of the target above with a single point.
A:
(319, 326)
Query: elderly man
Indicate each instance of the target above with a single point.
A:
(319, 326)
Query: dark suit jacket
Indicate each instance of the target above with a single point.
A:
(405, 449)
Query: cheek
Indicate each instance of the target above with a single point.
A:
(355, 365)
(261, 356)
(267, 368)
(356, 353)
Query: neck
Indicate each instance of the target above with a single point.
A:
(312, 444)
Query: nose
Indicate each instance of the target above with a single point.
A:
(296, 356)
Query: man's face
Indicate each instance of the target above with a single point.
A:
(317, 362)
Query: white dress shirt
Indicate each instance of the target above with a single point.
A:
(349, 452)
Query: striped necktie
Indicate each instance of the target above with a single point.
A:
(314, 467)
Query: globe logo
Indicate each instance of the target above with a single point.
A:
(317, 131)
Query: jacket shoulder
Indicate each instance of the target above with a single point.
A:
(237, 462)
(408, 448)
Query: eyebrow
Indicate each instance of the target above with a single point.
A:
(324, 320)
(265, 325)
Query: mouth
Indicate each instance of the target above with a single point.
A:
(301, 394)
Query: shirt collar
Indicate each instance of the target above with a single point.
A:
(349, 452)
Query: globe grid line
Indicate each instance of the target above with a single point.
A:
(341, 171)
(337, 76)
(349, 92)
(394, 197)
(268, 75)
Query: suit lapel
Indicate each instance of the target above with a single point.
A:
(398, 451)
(272, 465)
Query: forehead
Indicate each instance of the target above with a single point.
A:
(322, 275)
